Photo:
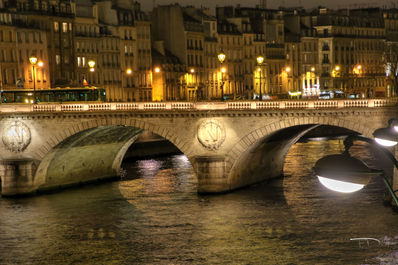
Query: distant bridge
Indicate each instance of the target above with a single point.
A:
(230, 144)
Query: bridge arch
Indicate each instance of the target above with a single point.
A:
(75, 128)
(98, 164)
(264, 149)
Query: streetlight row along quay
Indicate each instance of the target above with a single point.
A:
(344, 173)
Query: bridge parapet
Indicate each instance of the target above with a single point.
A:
(202, 106)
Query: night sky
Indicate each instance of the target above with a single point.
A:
(147, 4)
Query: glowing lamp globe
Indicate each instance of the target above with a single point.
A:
(33, 60)
(386, 136)
(260, 59)
(343, 173)
(91, 63)
(221, 57)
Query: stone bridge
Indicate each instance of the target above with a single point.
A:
(229, 144)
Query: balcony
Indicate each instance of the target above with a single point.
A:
(325, 48)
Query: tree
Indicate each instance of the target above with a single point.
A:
(390, 58)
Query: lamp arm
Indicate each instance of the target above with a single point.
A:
(348, 142)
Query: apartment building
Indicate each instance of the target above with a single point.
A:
(306, 53)
(19, 40)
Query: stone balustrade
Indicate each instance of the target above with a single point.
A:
(201, 106)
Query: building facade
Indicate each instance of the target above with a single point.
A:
(309, 54)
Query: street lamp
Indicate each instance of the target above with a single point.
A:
(91, 64)
(387, 136)
(260, 60)
(343, 173)
(221, 57)
(33, 62)
(128, 72)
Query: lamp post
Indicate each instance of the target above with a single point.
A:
(33, 62)
(128, 73)
(260, 60)
(221, 57)
(347, 174)
(91, 64)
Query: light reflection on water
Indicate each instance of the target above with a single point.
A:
(155, 216)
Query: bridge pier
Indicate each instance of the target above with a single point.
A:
(211, 174)
(17, 177)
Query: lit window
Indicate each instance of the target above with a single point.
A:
(56, 26)
(83, 61)
(64, 27)
(70, 26)
(57, 59)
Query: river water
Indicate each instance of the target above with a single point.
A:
(155, 216)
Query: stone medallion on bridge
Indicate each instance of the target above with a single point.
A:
(16, 136)
(211, 134)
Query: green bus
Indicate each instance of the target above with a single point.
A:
(53, 95)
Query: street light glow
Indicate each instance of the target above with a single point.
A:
(385, 142)
(40, 64)
(192, 70)
(386, 136)
(288, 69)
(33, 60)
(91, 64)
(340, 186)
(337, 68)
(221, 57)
(260, 59)
(312, 69)
(223, 70)
(129, 71)
(157, 70)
